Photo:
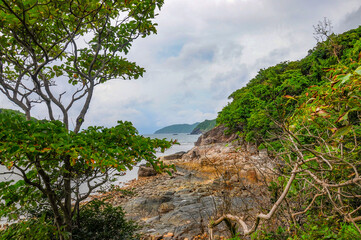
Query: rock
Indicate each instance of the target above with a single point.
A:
(216, 135)
(235, 178)
(174, 156)
(168, 235)
(263, 153)
(252, 176)
(195, 154)
(166, 207)
(180, 207)
(145, 171)
(150, 220)
(251, 149)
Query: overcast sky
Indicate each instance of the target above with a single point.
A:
(205, 50)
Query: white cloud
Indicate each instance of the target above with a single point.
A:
(204, 50)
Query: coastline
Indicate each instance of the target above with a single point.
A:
(218, 174)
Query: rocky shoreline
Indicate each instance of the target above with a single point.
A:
(218, 175)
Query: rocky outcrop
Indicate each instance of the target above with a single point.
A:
(182, 205)
(216, 135)
(220, 174)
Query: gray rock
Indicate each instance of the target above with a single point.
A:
(174, 156)
(145, 171)
(151, 220)
(166, 207)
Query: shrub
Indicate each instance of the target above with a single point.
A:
(99, 220)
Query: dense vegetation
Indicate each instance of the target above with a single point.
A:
(307, 114)
(204, 126)
(271, 94)
(97, 220)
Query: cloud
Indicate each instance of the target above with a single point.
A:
(351, 20)
(205, 50)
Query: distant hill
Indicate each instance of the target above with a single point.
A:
(177, 128)
(204, 126)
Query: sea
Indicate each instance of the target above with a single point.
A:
(186, 142)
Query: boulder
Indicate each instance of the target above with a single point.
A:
(216, 135)
(145, 171)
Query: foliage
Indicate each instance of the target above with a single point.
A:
(279, 234)
(271, 95)
(31, 229)
(204, 126)
(321, 149)
(35, 151)
(308, 115)
(314, 228)
(320, 228)
(99, 220)
(78, 43)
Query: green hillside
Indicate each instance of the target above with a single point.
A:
(204, 126)
(177, 128)
(307, 115)
(270, 96)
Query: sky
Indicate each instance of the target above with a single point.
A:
(205, 50)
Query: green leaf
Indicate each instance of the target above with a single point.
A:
(14, 149)
(342, 131)
(345, 78)
(358, 70)
(344, 116)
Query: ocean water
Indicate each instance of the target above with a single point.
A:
(186, 142)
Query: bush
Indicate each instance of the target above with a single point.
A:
(32, 229)
(99, 220)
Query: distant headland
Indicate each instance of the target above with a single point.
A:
(195, 128)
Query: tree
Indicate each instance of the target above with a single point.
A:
(44, 43)
(321, 155)
(53, 53)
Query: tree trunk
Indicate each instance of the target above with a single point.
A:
(67, 203)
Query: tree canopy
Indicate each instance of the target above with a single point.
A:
(45, 45)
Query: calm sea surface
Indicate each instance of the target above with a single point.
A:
(186, 143)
